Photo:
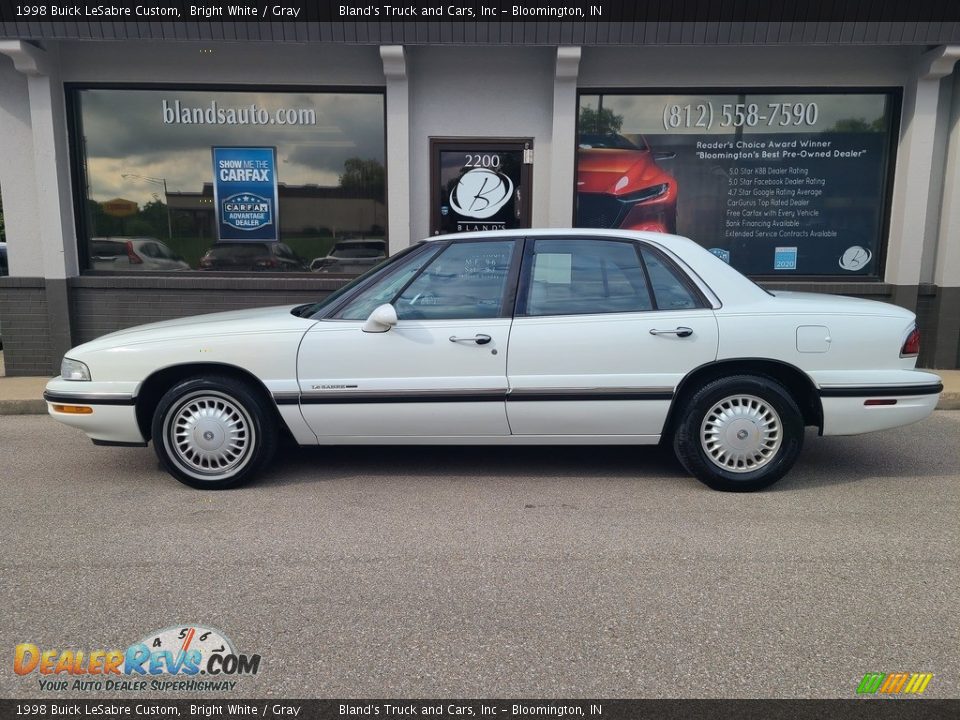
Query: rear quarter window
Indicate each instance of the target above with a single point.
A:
(669, 289)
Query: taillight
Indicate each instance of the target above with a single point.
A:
(911, 346)
(134, 258)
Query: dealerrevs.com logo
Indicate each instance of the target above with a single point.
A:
(894, 683)
(185, 657)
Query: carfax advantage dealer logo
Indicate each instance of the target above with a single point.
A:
(894, 683)
(185, 657)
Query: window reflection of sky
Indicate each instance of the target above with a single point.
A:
(644, 113)
(124, 133)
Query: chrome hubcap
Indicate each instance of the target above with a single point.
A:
(209, 435)
(741, 433)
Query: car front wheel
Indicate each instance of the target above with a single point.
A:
(739, 434)
(213, 433)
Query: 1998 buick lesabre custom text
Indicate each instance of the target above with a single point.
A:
(514, 337)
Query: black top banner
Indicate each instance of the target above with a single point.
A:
(737, 11)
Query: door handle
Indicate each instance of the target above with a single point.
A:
(679, 332)
(478, 339)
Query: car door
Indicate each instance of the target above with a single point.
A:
(440, 372)
(605, 330)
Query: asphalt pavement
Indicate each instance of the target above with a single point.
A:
(496, 572)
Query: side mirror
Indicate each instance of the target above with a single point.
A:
(381, 319)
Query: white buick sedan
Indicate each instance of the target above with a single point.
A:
(523, 337)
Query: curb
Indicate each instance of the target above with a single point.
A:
(23, 407)
(948, 401)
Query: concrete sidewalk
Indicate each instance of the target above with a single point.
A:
(23, 395)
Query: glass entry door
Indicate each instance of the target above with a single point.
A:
(479, 184)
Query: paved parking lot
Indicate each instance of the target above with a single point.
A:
(556, 572)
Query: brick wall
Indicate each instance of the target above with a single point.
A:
(105, 304)
(927, 323)
(24, 327)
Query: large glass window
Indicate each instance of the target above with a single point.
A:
(776, 183)
(158, 197)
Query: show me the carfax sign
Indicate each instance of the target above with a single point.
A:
(245, 193)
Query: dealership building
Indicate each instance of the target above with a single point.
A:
(811, 156)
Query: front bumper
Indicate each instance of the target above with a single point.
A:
(112, 419)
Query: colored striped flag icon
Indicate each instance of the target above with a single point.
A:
(894, 683)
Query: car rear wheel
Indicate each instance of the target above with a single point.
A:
(213, 433)
(739, 434)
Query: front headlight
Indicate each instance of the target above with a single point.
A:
(649, 193)
(74, 370)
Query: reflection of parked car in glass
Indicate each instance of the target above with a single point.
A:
(351, 256)
(137, 253)
(256, 256)
(620, 185)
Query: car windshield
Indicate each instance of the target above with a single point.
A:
(233, 250)
(614, 142)
(358, 250)
(317, 309)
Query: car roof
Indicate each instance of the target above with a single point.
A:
(677, 243)
(725, 282)
(580, 233)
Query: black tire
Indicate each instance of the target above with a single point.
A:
(746, 444)
(227, 432)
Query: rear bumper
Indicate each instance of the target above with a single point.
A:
(852, 410)
(112, 418)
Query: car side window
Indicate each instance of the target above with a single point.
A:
(467, 280)
(385, 289)
(670, 291)
(582, 277)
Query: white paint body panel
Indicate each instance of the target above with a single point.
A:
(337, 357)
(571, 353)
(603, 352)
(849, 416)
(262, 342)
(491, 440)
(110, 423)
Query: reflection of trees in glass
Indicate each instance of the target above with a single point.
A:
(150, 220)
(859, 125)
(365, 178)
(602, 121)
